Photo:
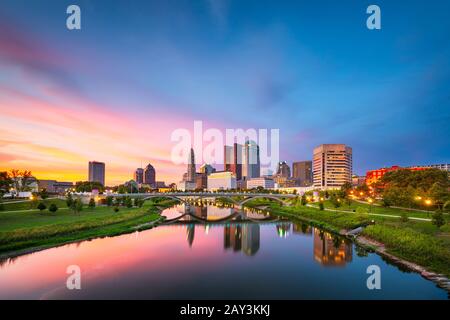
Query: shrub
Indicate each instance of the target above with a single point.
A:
(109, 201)
(41, 206)
(128, 202)
(76, 206)
(139, 202)
(321, 206)
(438, 219)
(303, 200)
(91, 203)
(69, 200)
(404, 217)
(116, 209)
(43, 194)
(53, 208)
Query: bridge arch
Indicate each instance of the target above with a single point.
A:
(283, 203)
(164, 196)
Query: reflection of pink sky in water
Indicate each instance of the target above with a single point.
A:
(158, 250)
(229, 260)
(208, 211)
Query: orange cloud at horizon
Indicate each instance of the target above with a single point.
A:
(56, 137)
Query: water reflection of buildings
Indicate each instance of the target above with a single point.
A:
(283, 229)
(190, 234)
(331, 251)
(242, 237)
(301, 228)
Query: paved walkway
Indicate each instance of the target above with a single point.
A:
(370, 214)
(27, 200)
(394, 207)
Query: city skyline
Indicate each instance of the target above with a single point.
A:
(64, 104)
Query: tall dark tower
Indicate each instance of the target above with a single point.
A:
(191, 167)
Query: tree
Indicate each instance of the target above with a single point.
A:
(128, 202)
(69, 200)
(303, 200)
(138, 202)
(76, 206)
(335, 201)
(41, 206)
(5, 182)
(109, 201)
(53, 208)
(122, 189)
(346, 187)
(91, 203)
(88, 186)
(21, 179)
(439, 193)
(43, 194)
(438, 219)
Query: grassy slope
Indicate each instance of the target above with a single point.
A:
(379, 210)
(19, 231)
(27, 205)
(416, 241)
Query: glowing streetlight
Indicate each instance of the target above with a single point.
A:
(370, 201)
(428, 202)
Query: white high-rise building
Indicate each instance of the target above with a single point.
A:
(251, 166)
(332, 166)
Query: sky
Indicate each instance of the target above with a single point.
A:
(117, 89)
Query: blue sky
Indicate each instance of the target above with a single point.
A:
(310, 68)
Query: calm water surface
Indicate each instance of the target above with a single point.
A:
(232, 256)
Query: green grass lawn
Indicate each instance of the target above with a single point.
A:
(29, 204)
(378, 209)
(27, 230)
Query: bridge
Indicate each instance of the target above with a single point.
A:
(190, 215)
(186, 197)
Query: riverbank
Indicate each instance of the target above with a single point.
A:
(23, 233)
(416, 245)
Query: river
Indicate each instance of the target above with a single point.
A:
(206, 252)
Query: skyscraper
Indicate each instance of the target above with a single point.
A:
(191, 167)
(332, 166)
(139, 176)
(302, 172)
(233, 159)
(251, 166)
(283, 169)
(97, 172)
(150, 176)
